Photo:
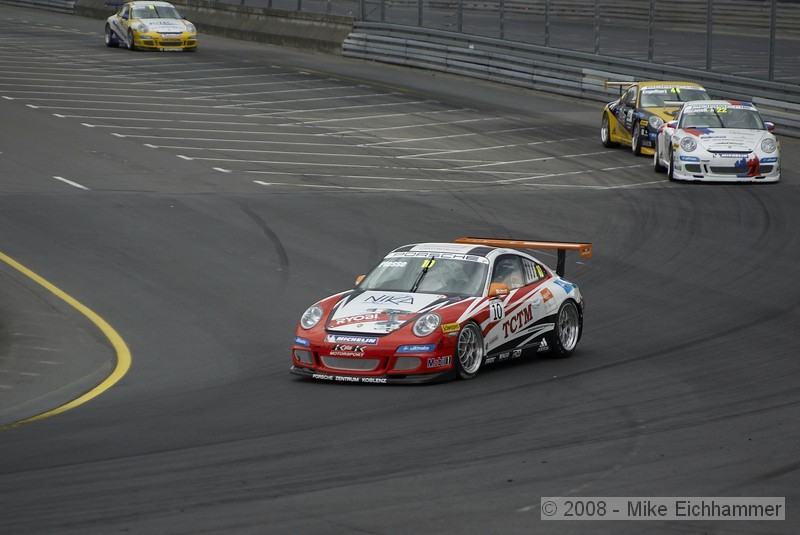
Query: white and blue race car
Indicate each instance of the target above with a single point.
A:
(718, 141)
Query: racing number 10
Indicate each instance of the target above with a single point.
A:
(496, 310)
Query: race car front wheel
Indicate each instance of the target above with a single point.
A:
(469, 351)
(636, 140)
(131, 44)
(111, 37)
(605, 132)
(564, 337)
(671, 166)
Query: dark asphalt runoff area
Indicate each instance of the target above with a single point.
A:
(165, 219)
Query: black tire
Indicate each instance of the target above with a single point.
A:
(131, 45)
(657, 167)
(605, 132)
(636, 140)
(111, 37)
(671, 166)
(568, 328)
(469, 352)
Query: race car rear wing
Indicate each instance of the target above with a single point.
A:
(621, 85)
(584, 249)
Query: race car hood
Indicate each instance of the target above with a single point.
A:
(165, 25)
(380, 312)
(668, 114)
(727, 139)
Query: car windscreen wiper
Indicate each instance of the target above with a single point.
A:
(426, 265)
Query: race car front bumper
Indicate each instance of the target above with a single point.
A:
(311, 373)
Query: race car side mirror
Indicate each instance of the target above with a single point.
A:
(671, 124)
(770, 126)
(359, 279)
(498, 288)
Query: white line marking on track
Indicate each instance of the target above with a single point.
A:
(70, 182)
(325, 186)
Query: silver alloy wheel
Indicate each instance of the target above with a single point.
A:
(569, 326)
(131, 45)
(470, 349)
(605, 134)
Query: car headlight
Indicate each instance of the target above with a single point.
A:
(768, 145)
(655, 121)
(311, 317)
(688, 144)
(426, 324)
(142, 27)
(190, 27)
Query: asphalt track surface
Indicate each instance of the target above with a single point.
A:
(195, 204)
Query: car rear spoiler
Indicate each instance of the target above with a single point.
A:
(584, 249)
(621, 85)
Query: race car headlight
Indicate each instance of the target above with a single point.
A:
(688, 144)
(190, 27)
(655, 121)
(768, 145)
(426, 324)
(142, 27)
(311, 317)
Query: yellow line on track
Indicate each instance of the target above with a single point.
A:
(123, 353)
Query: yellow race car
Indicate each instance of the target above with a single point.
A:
(150, 25)
(642, 107)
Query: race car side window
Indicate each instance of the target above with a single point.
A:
(630, 97)
(533, 271)
(508, 270)
(124, 11)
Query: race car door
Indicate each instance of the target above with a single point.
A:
(520, 312)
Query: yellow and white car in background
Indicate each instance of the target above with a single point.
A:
(150, 25)
(635, 117)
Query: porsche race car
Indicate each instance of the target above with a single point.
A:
(434, 311)
(634, 118)
(718, 141)
(150, 25)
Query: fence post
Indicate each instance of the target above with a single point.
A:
(596, 26)
(502, 19)
(709, 32)
(772, 27)
(651, 31)
(547, 23)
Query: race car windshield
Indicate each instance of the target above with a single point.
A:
(155, 12)
(659, 97)
(722, 117)
(446, 276)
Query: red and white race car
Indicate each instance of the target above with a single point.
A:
(434, 311)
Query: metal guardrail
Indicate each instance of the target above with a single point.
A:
(60, 6)
(565, 72)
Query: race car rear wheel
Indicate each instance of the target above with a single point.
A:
(636, 140)
(131, 45)
(469, 351)
(111, 37)
(564, 337)
(605, 132)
